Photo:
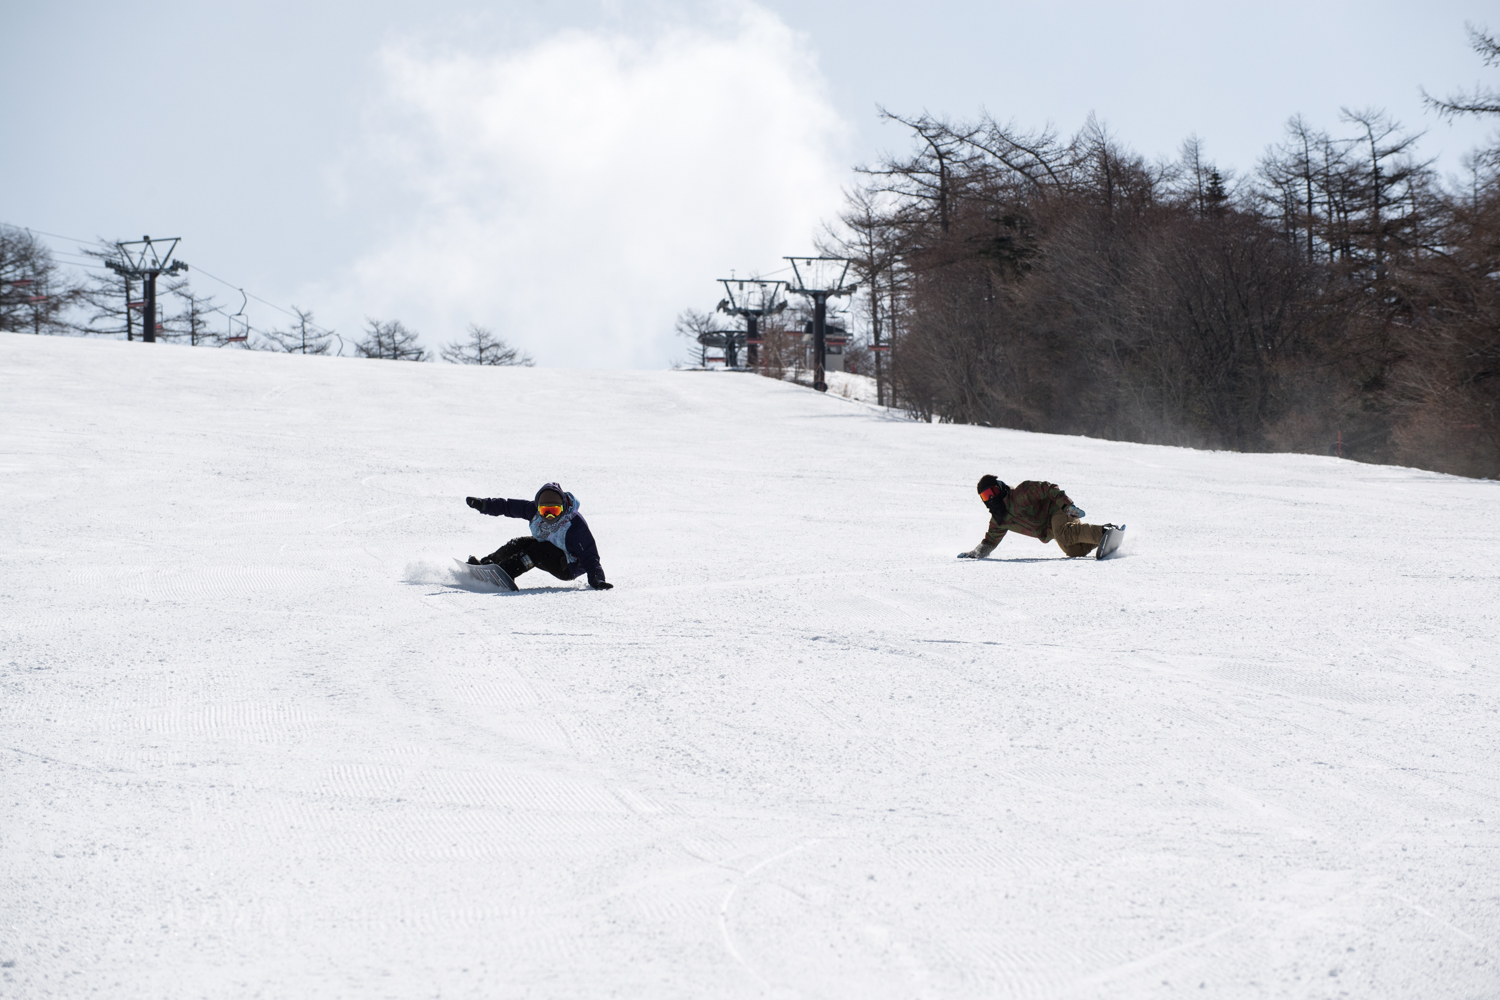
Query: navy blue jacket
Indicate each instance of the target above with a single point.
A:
(583, 554)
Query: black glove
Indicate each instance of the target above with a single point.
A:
(601, 585)
(473, 502)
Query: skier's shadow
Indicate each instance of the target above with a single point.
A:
(448, 588)
(1035, 559)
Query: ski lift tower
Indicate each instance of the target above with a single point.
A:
(819, 279)
(752, 298)
(145, 266)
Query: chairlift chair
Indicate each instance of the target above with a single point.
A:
(230, 336)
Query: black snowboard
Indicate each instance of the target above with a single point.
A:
(1108, 545)
(489, 573)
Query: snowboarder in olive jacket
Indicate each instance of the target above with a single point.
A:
(560, 541)
(1038, 509)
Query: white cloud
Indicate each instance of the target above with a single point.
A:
(577, 193)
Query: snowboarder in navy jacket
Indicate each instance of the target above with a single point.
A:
(560, 541)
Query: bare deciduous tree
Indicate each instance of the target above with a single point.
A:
(33, 294)
(390, 340)
(302, 337)
(1484, 100)
(106, 299)
(1071, 286)
(867, 238)
(482, 347)
(193, 322)
(697, 327)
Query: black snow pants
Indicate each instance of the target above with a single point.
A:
(520, 554)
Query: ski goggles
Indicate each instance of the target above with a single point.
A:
(549, 509)
(989, 494)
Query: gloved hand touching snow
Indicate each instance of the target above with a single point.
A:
(473, 502)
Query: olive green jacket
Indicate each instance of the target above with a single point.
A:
(1029, 510)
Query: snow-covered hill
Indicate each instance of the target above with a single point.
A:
(257, 741)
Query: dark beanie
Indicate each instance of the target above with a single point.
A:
(987, 482)
(996, 503)
(550, 493)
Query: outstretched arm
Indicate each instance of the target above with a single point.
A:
(986, 545)
(501, 507)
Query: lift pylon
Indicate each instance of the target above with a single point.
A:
(751, 298)
(820, 278)
(144, 265)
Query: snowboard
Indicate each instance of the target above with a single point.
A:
(1110, 542)
(489, 573)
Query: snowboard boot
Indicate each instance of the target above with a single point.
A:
(511, 557)
(516, 564)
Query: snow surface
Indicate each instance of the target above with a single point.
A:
(847, 385)
(258, 740)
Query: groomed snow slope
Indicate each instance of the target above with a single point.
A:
(257, 741)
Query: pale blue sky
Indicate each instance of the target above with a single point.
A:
(386, 159)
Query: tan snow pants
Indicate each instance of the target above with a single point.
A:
(1074, 537)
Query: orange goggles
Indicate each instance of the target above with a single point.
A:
(549, 510)
(988, 494)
